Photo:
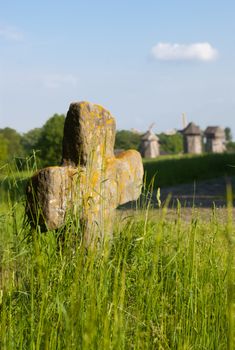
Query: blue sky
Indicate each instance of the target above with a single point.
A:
(146, 61)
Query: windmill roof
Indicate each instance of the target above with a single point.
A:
(215, 131)
(191, 129)
(149, 136)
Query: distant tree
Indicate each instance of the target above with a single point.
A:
(230, 147)
(172, 144)
(50, 140)
(126, 139)
(3, 149)
(14, 142)
(228, 134)
(29, 141)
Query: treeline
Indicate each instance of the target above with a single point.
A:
(46, 142)
(169, 144)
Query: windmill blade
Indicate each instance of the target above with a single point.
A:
(184, 120)
(151, 126)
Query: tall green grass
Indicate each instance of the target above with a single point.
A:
(167, 170)
(188, 168)
(13, 178)
(158, 284)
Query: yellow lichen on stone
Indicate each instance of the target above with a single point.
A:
(92, 182)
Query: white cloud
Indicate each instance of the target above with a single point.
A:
(10, 33)
(55, 81)
(181, 52)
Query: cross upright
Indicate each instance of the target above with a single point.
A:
(91, 182)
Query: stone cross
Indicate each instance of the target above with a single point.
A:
(91, 182)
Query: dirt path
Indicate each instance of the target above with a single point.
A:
(205, 198)
(203, 194)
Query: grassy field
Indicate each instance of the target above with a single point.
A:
(172, 170)
(167, 170)
(159, 283)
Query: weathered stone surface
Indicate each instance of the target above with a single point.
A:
(92, 182)
(124, 175)
(49, 195)
(89, 135)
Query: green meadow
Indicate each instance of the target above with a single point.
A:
(161, 282)
(166, 171)
(173, 170)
